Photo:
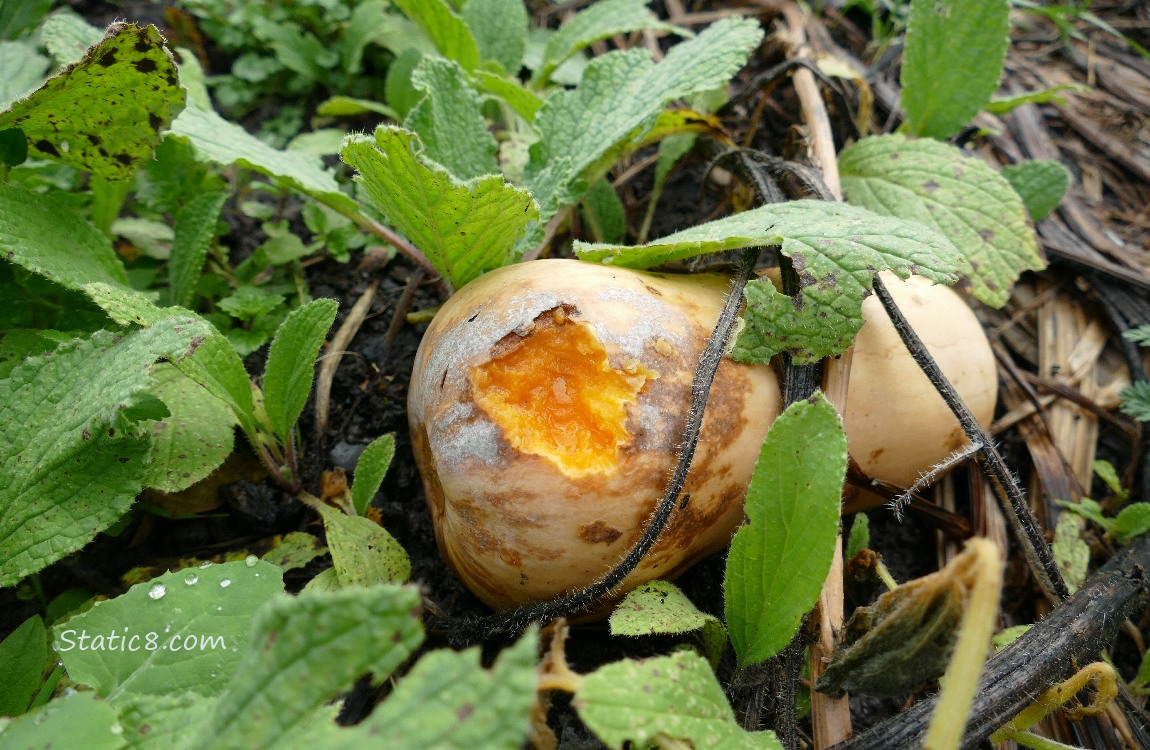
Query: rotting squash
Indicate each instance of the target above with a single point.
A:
(546, 406)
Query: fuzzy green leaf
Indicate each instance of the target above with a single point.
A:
(304, 651)
(836, 248)
(500, 31)
(28, 69)
(598, 21)
(960, 196)
(604, 212)
(184, 630)
(464, 228)
(449, 120)
(447, 30)
(370, 470)
(217, 140)
(195, 230)
(105, 113)
(43, 235)
(780, 558)
(952, 62)
(215, 364)
(1040, 183)
(675, 696)
(294, 550)
(290, 370)
(661, 607)
(20, 16)
(860, 536)
(1070, 552)
(449, 702)
(67, 37)
(13, 147)
(63, 476)
(79, 721)
(196, 436)
(161, 722)
(619, 97)
(362, 552)
(524, 101)
(23, 657)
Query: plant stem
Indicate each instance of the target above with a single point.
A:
(388, 235)
(1025, 525)
(1073, 633)
(473, 629)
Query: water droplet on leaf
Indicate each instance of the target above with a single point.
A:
(157, 591)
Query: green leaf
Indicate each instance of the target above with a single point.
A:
(621, 94)
(47, 237)
(449, 702)
(398, 89)
(464, 228)
(860, 536)
(837, 249)
(184, 630)
(1105, 471)
(370, 470)
(28, 69)
(304, 651)
(161, 722)
(510, 91)
(661, 607)
(194, 439)
(1131, 521)
(952, 62)
(500, 31)
(1040, 183)
(105, 113)
(1071, 553)
(447, 30)
(1090, 510)
(79, 721)
(67, 37)
(362, 552)
(294, 550)
(346, 106)
(195, 231)
(217, 140)
(1135, 400)
(13, 147)
(20, 16)
(1139, 335)
(960, 196)
(290, 370)
(215, 364)
(605, 214)
(449, 120)
(63, 477)
(675, 697)
(780, 558)
(600, 20)
(23, 657)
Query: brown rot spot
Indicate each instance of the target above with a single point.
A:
(986, 234)
(464, 711)
(155, 121)
(46, 147)
(145, 65)
(652, 290)
(930, 186)
(599, 531)
(142, 44)
(124, 159)
(876, 454)
(108, 59)
(93, 139)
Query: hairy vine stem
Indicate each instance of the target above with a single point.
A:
(469, 630)
(1026, 527)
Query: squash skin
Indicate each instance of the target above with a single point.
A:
(514, 525)
(517, 529)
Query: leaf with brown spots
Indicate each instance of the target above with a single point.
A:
(960, 196)
(104, 113)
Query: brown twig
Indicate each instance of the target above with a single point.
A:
(336, 349)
